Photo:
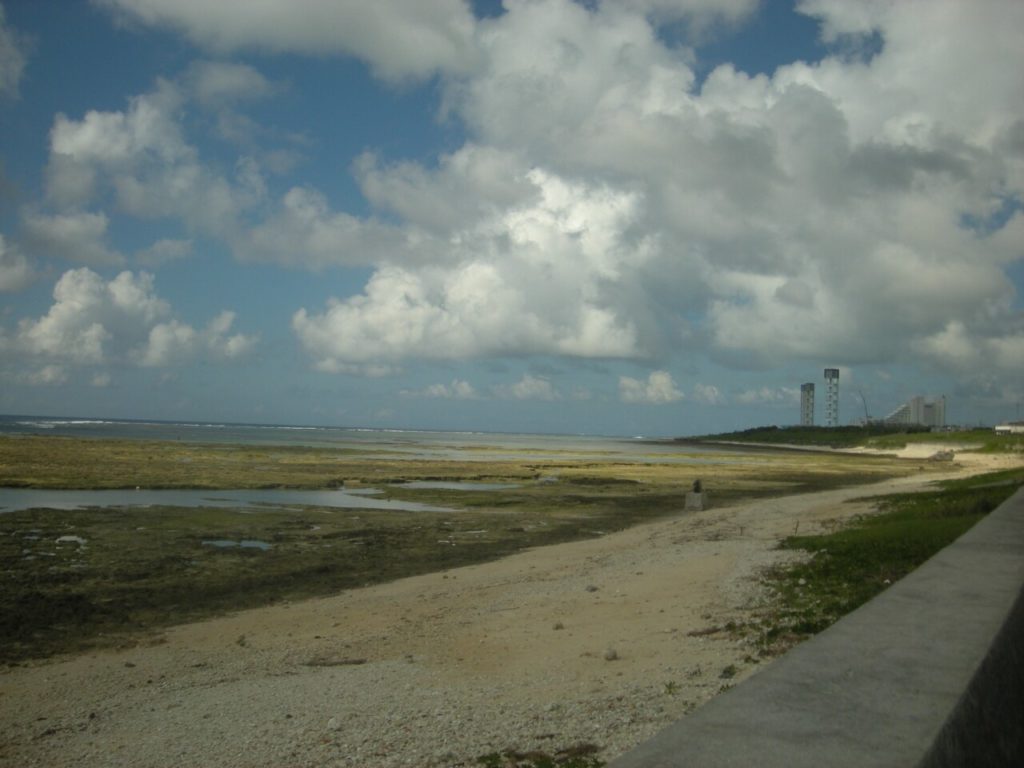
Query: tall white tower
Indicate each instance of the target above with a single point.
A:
(807, 404)
(831, 397)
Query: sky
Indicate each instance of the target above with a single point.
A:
(614, 217)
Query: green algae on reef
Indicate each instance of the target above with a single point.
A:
(97, 577)
(76, 579)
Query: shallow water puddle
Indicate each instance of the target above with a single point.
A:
(17, 499)
(243, 544)
(451, 485)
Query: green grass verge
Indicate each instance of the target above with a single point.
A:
(824, 437)
(984, 440)
(849, 567)
(885, 437)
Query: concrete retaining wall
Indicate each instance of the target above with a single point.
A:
(930, 673)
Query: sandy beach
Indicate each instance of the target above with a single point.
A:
(602, 641)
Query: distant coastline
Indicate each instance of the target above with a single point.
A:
(10, 423)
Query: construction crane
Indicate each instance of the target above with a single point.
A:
(867, 417)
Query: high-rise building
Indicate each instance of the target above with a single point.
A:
(920, 411)
(807, 404)
(831, 397)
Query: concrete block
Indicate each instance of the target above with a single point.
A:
(695, 502)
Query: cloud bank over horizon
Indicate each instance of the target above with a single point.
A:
(606, 196)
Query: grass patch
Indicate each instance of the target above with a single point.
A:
(849, 567)
(823, 437)
(577, 756)
(880, 436)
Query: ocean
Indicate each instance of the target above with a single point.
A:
(428, 444)
(390, 444)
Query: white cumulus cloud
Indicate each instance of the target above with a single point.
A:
(957, 348)
(140, 160)
(303, 230)
(47, 376)
(396, 38)
(221, 83)
(458, 389)
(541, 278)
(658, 389)
(16, 272)
(768, 396)
(607, 202)
(224, 345)
(163, 251)
(529, 387)
(700, 16)
(93, 321)
(13, 57)
(818, 209)
(708, 394)
(80, 237)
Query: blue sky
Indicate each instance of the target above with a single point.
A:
(652, 217)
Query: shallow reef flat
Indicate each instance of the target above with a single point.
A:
(106, 576)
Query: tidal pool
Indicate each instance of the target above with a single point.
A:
(243, 544)
(17, 499)
(452, 485)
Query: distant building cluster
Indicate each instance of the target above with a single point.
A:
(831, 400)
(919, 411)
